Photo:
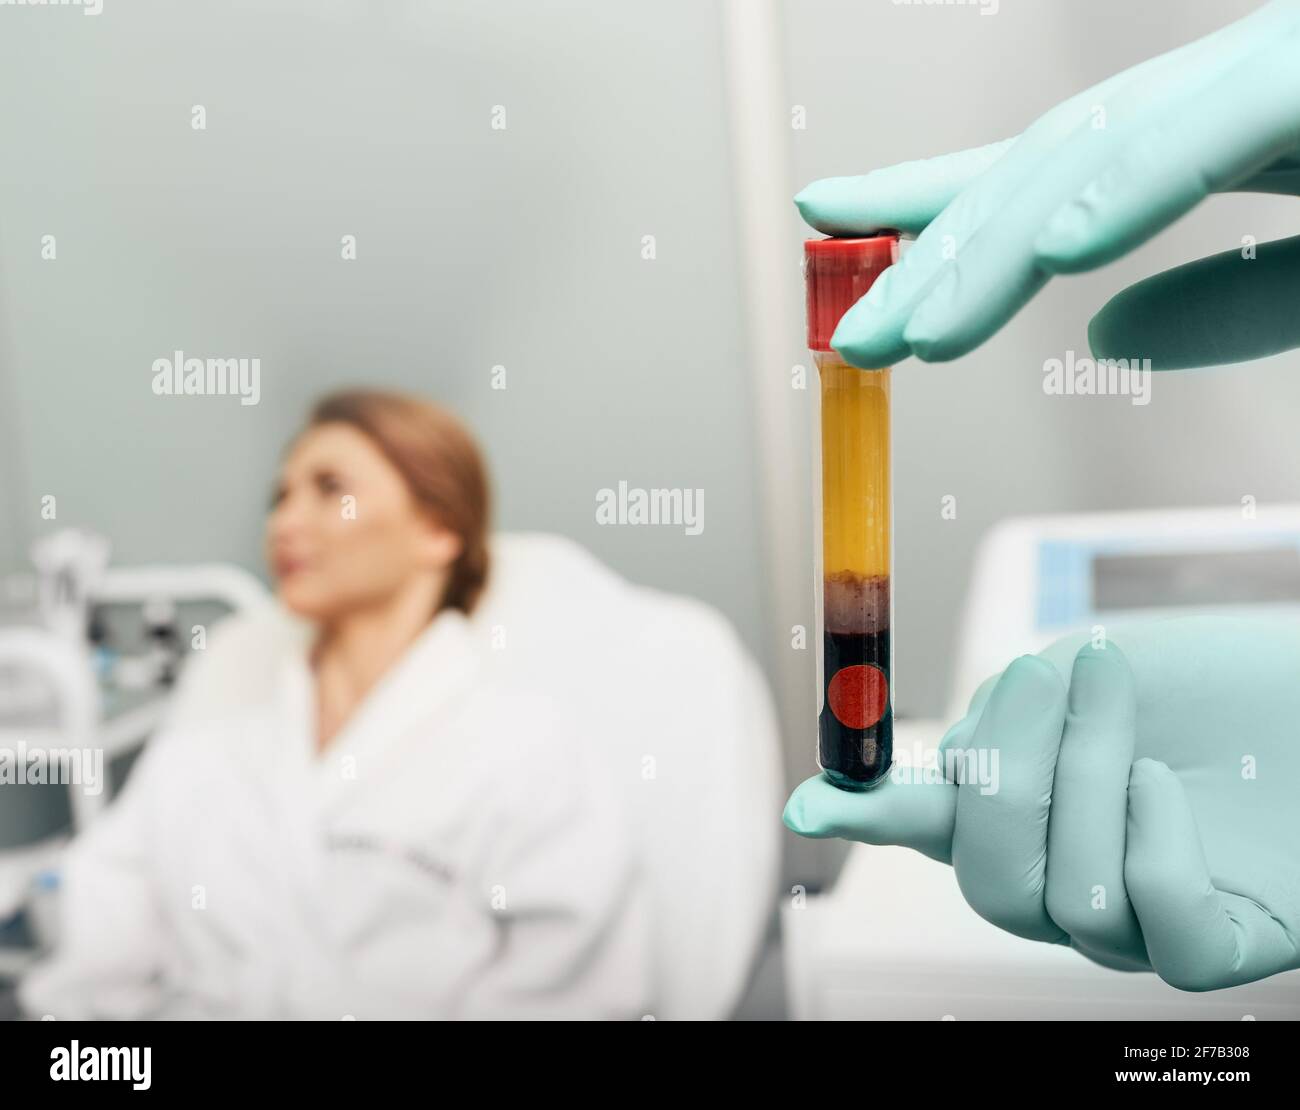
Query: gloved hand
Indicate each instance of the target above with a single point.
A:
(1147, 809)
(1089, 181)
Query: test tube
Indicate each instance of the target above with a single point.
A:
(852, 523)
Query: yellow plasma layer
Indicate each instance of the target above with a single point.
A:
(855, 468)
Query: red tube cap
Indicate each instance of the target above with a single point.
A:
(837, 272)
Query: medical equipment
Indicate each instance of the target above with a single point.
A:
(1035, 578)
(852, 583)
(69, 565)
(894, 937)
(87, 654)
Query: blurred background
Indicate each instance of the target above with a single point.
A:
(624, 247)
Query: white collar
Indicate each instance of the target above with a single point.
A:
(432, 672)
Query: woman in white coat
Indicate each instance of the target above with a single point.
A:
(401, 830)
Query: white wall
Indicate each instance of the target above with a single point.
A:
(476, 247)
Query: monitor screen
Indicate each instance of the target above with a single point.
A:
(1192, 578)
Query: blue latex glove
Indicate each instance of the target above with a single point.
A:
(1086, 183)
(1147, 809)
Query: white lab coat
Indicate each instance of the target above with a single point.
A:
(452, 853)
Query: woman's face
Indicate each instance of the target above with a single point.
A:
(345, 532)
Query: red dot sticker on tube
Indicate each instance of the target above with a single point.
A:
(858, 695)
